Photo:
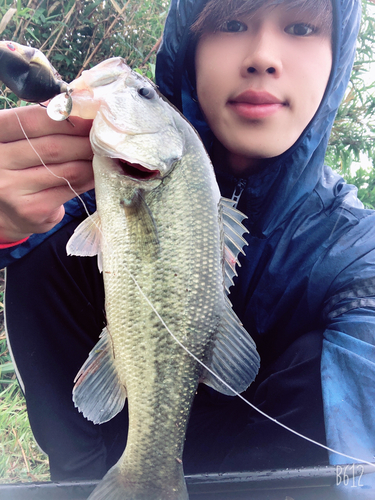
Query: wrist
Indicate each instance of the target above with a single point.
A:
(4, 244)
(10, 235)
(11, 232)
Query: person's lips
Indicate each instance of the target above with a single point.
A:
(255, 105)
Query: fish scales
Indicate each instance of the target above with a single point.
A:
(184, 282)
(160, 240)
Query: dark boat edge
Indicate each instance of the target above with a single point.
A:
(303, 483)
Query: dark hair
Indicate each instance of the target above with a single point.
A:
(216, 12)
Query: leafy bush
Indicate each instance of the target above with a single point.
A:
(77, 34)
(352, 138)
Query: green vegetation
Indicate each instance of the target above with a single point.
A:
(20, 458)
(352, 138)
(75, 35)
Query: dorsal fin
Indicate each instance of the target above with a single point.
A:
(233, 241)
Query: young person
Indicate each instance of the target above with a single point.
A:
(261, 82)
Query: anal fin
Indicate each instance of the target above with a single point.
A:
(98, 392)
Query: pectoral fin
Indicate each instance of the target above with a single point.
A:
(98, 392)
(86, 239)
(141, 225)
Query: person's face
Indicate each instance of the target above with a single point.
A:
(260, 80)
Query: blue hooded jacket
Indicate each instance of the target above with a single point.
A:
(310, 262)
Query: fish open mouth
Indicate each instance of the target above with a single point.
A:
(137, 171)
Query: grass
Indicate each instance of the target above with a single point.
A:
(20, 457)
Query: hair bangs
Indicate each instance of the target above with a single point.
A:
(217, 12)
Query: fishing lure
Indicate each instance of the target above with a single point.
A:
(28, 73)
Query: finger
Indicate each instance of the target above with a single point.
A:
(37, 212)
(20, 183)
(49, 187)
(72, 175)
(41, 211)
(38, 207)
(59, 149)
(34, 121)
(39, 222)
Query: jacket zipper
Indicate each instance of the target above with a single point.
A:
(238, 190)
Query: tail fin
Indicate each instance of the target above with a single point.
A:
(110, 487)
(114, 487)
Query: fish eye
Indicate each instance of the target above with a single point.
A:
(233, 26)
(146, 92)
(11, 47)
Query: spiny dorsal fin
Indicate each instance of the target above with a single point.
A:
(233, 241)
(98, 392)
(86, 239)
(233, 358)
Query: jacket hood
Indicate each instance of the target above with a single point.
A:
(289, 178)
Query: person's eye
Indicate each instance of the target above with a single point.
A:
(233, 27)
(300, 29)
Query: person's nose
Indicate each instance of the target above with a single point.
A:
(263, 55)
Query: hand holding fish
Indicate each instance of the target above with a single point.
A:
(31, 199)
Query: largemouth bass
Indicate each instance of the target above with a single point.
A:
(167, 244)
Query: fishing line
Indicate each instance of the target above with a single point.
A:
(235, 393)
(38, 155)
(60, 177)
(49, 170)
